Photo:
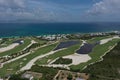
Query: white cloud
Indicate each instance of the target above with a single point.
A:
(12, 3)
(14, 9)
(105, 7)
(37, 10)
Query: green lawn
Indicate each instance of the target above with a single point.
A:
(17, 49)
(65, 52)
(16, 64)
(98, 51)
(97, 39)
(7, 41)
(39, 40)
(95, 54)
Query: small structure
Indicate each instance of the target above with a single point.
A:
(1, 79)
(31, 75)
(27, 76)
(66, 75)
(80, 79)
(7, 77)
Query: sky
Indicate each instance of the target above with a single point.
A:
(59, 10)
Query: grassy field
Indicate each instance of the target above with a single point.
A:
(17, 49)
(93, 40)
(39, 40)
(6, 41)
(15, 66)
(98, 51)
(65, 52)
(108, 69)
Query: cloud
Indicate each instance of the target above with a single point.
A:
(13, 10)
(105, 7)
(38, 10)
(12, 3)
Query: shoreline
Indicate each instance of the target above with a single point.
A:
(82, 33)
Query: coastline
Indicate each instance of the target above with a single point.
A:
(44, 34)
(8, 30)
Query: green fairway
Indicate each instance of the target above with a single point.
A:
(15, 66)
(6, 41)
(93, 40)
(65, 52)
(39, 40)
(108, 69)
(98, 51)
(17, 49)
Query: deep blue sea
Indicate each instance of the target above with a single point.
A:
(30, 29)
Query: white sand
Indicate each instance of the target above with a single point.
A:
(8, 47)
(78, 58)
(108, 39)
(31, 63)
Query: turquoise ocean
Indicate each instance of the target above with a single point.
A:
(36, 29)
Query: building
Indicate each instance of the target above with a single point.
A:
(1, 79)
(27, 76)
(80, 79)
(31, 75)
(64, 75)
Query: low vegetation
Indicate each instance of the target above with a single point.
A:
(63, 61)
(17, 77)
(108, 69)
(48, 72)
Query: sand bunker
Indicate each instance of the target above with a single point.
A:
(8, 47)
(78, 58)
(108, 39)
